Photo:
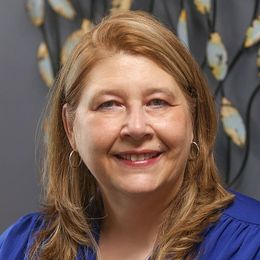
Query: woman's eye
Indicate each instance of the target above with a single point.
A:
(157, 103)
(109, 105)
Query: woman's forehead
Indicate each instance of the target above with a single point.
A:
(127, 71)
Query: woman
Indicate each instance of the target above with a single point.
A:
(128, 168)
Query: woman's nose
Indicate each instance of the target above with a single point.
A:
(136, 125)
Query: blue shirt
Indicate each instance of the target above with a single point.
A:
(235, 236)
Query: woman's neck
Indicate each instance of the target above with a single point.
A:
(131, 225)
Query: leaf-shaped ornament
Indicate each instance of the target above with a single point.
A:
(253, 33)
(35, 9)
(182, 28)
(258, 61)
(63, 8)
(203, 6)
(44, 65)
(217, 56)
(233, 122)
(120, 5)
(73, 39)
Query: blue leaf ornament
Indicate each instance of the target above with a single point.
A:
(232, 122)
(35, 9)
(73, 39)
(63, 8)
(253, 33)
(44, 65)
(120, 5)
(182, 28)
(217, 56)
(203, 6)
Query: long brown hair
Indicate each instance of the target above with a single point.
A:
(69, 192)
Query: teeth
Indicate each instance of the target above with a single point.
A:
(147, 156)
(138, 157)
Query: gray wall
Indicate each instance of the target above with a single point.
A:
(22, 97)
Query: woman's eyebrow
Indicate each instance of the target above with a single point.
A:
(104, 92)
(121, 92)
(159, 90)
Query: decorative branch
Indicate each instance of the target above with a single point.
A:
(247, 147)
(216, 63)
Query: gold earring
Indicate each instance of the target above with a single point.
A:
(73, 158)
(194, 151)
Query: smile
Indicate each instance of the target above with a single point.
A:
(138, 157)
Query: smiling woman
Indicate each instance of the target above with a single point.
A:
(128, 166)
(138, 104)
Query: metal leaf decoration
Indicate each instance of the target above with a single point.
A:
(182, 28)
(120, 5)
(35, 9)
(217, 56)
(74, 39)
(44, 64)
(253, 33)
(233, 122)
(63, 8)
(203, 6)
(258, 61)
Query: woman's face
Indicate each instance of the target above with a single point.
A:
(132, 127)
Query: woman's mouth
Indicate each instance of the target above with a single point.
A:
(138, 159)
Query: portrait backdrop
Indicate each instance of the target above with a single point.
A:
(23, 94)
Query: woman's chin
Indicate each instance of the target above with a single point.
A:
(139, 187)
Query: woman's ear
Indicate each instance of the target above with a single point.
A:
(68, 126)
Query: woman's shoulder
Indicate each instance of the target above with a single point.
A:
(237, 233)
(16, 240)
(244, 209)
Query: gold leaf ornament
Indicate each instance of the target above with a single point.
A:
(182, 27)
(44, 65)
(217, 56)
(253, 33)
(73, 39)
(63, 8)
(203, 6)
(35, 9)
(118, 5)
(233, 123)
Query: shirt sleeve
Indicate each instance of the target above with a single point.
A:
(16, 240)
(236, 235)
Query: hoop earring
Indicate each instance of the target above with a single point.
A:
(194, 152)
(73, 160)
